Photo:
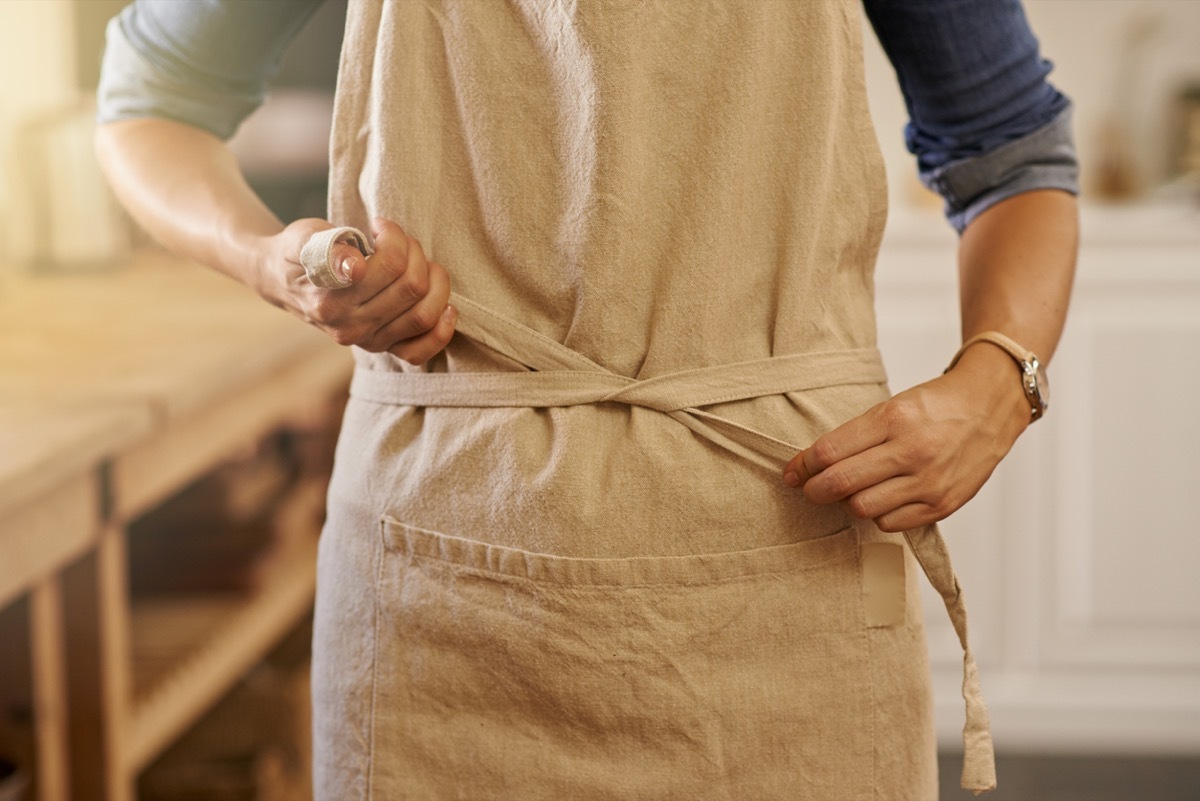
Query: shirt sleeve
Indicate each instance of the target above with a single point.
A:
(201, 62)
(984, 122)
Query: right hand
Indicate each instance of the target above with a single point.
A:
(397, 300)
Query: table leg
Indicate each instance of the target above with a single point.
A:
(48, 666)
(97, 593)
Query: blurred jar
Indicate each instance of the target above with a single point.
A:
(63, 215)
(1187, 140)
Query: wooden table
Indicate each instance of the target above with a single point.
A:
(116, 390)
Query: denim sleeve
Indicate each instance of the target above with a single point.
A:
(985, 124)
(201, 62)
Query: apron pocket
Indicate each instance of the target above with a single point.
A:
(502, 673)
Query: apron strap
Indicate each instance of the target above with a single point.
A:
(979, 759)
(558, 376)
(678, 395)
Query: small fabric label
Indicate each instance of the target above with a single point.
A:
(883, 583)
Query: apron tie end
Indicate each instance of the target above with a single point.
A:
(979, 752)
(979, 764)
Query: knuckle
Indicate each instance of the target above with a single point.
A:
(906, 412)
(897, 413)
(824, 452)
(417, 285)
(920, 451)
(888, 524)
(389, 234)
(323, 310)
(859, 507)
(424, 317)
(351, 331)
(343, 336)
(394, 263)
(942, 506)
(841, 481)
(351, 335)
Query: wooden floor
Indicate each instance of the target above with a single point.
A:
(1045, 778)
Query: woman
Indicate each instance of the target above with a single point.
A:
(575, 550)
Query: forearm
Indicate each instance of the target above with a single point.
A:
(918, 457)
(1016, 268)
(183, 185)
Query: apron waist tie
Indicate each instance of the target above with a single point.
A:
(677, 395)
(559, 376)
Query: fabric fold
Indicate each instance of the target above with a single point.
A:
(558, 376)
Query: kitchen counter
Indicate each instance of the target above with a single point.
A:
(117, 389)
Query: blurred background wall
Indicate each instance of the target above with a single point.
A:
(1125, 63)
(1077, 558)
(56, 211)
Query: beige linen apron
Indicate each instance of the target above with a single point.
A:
(560, 562)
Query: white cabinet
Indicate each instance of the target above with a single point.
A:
(1080, 559)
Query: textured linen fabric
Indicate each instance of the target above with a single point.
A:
(970, 72)
(591, 601)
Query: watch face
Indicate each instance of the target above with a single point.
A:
(1043, 387)
(1037, 387)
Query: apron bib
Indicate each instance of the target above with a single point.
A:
(559, 560)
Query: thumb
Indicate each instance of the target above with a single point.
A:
(332, 257)
(348, 262)
(793, 472)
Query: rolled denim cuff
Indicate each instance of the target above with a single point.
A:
(1042, 159)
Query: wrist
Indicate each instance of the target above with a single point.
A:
(254, 257)
(996, 384)
(244, 246)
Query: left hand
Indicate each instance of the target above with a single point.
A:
(919, 456)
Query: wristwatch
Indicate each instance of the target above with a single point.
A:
(1033, 377)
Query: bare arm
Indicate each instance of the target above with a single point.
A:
(921, 455)
(184, 186)
(1016, 267)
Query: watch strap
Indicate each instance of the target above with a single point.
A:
(999, 340)
(1026, 360)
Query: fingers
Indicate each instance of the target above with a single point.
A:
(909, 461)
(397, 301)
(855, 474)
(885, 497)
(855, 436)
(421, 349)
(909, 516)
(422, 314)
(397, 257)
(872, 486)
(394, 245)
